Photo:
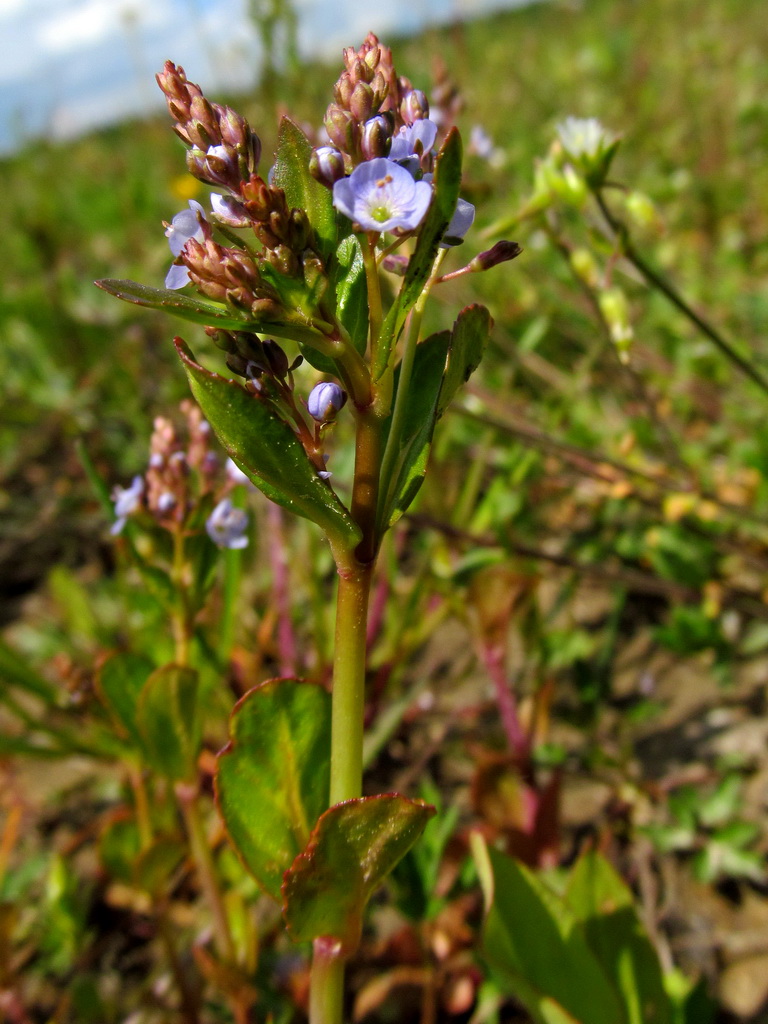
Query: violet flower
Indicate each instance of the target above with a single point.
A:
(325, 400)
(185, 225)
(411, 142)
(380, 195)
(227, 524)
(461, 222)
(127, 500)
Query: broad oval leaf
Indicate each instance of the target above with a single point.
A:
(273, 776)
(266, 448)
(354, 845)
(292, 175)
(167, 720)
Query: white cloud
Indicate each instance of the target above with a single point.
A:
(94, 21)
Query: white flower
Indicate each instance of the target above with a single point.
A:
(584, 137)
(127, 500)
(185, 225)
(227, 524)
(380, 195)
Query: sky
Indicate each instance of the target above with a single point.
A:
(68, 65)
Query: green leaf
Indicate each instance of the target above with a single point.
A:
(167, 721)
(291, 174)
(605, 907)
(353, 847)
(119, 683)
(469, 338)
(538, 952)
(418, 423)
(188, 307)
(441, 210)
(268, 451)
(352, 291)
(273, 776)
(442, 364)
(15, 671)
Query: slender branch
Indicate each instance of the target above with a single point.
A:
(661, 284)
(326, 992)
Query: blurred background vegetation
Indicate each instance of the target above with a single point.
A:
(620, 510)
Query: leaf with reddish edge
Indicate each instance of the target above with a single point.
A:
(354, 845)
(268, 451)
(272, 778)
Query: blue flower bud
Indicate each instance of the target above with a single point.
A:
(326, 165)
(325, 400)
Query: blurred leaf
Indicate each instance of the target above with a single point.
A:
(167, 719)
(538, 952)
(723, 803)
(353, 847)
(605, 907)
(119, 683)
(155, 866)
(15, 671)
(469, 337)
(268, 451)
(302, 191)
(273, 776)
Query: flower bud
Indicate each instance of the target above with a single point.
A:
(276, 359)
(414, 106)
(361, 101)
(376, 137)
(325, 400)
(326, 165)
(499, 253)
(615, 309)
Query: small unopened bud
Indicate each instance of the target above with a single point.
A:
(585, 267)
(376, 137)
(361, 101)
(499, 253)
(615, 309)
(395, 263)
(325, 400)
(276, 359)
(414, 106)
(326, 165)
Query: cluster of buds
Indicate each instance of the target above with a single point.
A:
(181, 474)
(224, 150)
(371, 106)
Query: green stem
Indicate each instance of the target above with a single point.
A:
(666, 289)
(206, 869)
(349, 685)
(373, 282)
(326, 992)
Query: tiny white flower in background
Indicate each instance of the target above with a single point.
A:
(185, 225)
(227, 524)
(583, 136)
(127, 500)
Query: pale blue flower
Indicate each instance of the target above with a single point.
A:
(185, 225)
(411, 142)
(380, 195)
(227, 524)
(127, 500)
(461, 222)
(325, 400)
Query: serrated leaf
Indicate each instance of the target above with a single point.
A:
(442, 364)
(167, 721)
(605, 907)
(119, 683)
(291, 174)
(268, 451)
(539, 954)
(272, 778)
(469, 338)
(353, 847)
